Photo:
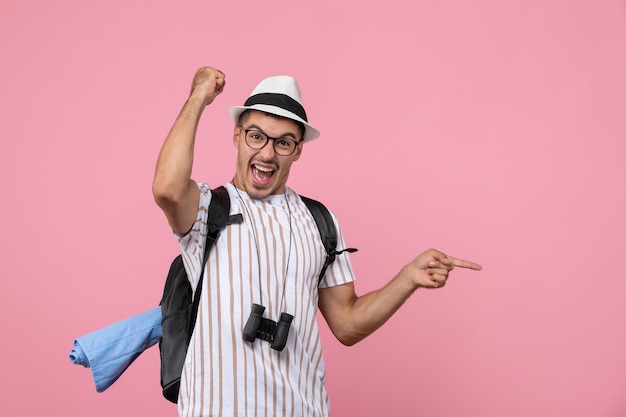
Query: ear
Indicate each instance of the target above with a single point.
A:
(236, 136)
(298, 152)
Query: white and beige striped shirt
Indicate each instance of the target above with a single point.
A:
(273, 259)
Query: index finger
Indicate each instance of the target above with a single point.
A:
(462, 263)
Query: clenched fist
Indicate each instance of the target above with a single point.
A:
(207, 84)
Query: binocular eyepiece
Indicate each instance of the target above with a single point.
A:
(258, 327)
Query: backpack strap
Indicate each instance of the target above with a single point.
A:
(328, 233)
(219, 210)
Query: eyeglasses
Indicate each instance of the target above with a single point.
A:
(257, 140)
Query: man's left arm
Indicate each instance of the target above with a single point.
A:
(352, 318)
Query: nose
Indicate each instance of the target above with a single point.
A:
(267, 152)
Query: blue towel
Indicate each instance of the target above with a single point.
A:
(110, 350)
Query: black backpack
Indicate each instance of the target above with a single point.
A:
(179, 306)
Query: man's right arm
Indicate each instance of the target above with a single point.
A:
(173, 189)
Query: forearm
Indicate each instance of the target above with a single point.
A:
(357, 319)
(175, 161)
(353, 318)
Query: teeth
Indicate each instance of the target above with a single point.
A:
(263, 169)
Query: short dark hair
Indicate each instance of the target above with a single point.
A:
(244, 116)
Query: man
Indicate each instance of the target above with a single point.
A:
(272, 259)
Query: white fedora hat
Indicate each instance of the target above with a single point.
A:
(279, 95)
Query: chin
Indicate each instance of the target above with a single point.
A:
(259, 194)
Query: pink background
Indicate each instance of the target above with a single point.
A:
(493, 130)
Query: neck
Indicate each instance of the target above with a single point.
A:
(254, 195)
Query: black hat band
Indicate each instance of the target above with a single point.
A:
(279, 100)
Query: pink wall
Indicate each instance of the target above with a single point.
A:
(492, 130)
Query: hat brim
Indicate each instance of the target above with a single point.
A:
(310, 132)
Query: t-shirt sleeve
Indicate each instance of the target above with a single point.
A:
(339, 272)
(192, 244)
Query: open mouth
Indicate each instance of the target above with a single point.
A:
(262, 175)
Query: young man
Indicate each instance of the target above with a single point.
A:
(272, 259)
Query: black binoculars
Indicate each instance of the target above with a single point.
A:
(258, 327)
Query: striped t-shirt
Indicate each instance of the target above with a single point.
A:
(273, 258)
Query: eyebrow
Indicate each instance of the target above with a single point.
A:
(284, 135)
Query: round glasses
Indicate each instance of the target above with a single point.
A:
(257, 140)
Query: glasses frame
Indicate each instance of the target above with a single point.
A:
(268, 138)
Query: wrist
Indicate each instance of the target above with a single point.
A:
(197, 100)
(409, 278)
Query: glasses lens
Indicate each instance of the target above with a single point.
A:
(284, 147)
(255, 139)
